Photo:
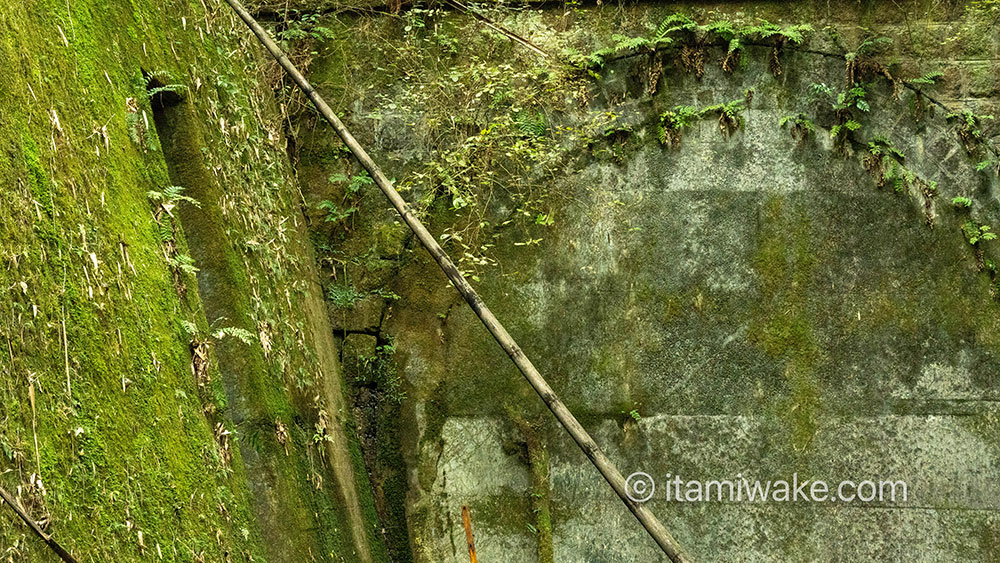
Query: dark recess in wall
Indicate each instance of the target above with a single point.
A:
(242, 368)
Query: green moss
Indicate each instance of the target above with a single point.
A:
(135, 441)
(989, 542)
(783, 323)
(541, 492)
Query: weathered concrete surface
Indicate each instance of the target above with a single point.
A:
(903, 384)
(759, 303)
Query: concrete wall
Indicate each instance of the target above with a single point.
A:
(743, 303)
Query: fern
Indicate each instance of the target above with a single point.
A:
(725, 30)
(189, 327)
(626, 43)
(171, 195)
(820, 89)
(970, 130)
(961, 202)
(165, 229)
(343, 296)
(799, 122)
(359, 181)
(531, 124)
(969, 120)
(679, 117)
(766, 30)
(796, 33)
(849, 125)
(675, 22)
(929, 79)
(975, 234)
(334, 214)
(182, 263)
(881, 145)
(732, 110)
(241, 334)
(174, 88)
(989, 163)
(673, 121)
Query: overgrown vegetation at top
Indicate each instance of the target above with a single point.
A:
(297, 26)
(489, 149)
(692, 39)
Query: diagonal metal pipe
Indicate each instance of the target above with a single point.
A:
(652, 525)
(6, 498)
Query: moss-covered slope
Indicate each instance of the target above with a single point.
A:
(168, 389)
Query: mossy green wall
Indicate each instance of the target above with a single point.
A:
(105, 430)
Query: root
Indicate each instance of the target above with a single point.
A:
(731, 61)
(775, 63)
(693, 60)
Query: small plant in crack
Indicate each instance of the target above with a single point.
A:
(182, 263)
(631, 416)
(730, 115)
(969, 128)
(841, 131)
(799, 126)
(334, 213)
(201, 340)
(929, 79)
(989, 164)
(343, 295)
(883, 162)
(170, 196)
(672, 122)
(694, 39)
(386, 294)
(358, 182)
(734, 37)
(976, 234)
(217, 333)
(899, 176)
(919, 84)
(614, 142)
(961, 203)
(165, 200)
(627, 44)
(304, 26)
(844, 104)
(160, 82)
(780, 36)
(381, 370)
(862, 63)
